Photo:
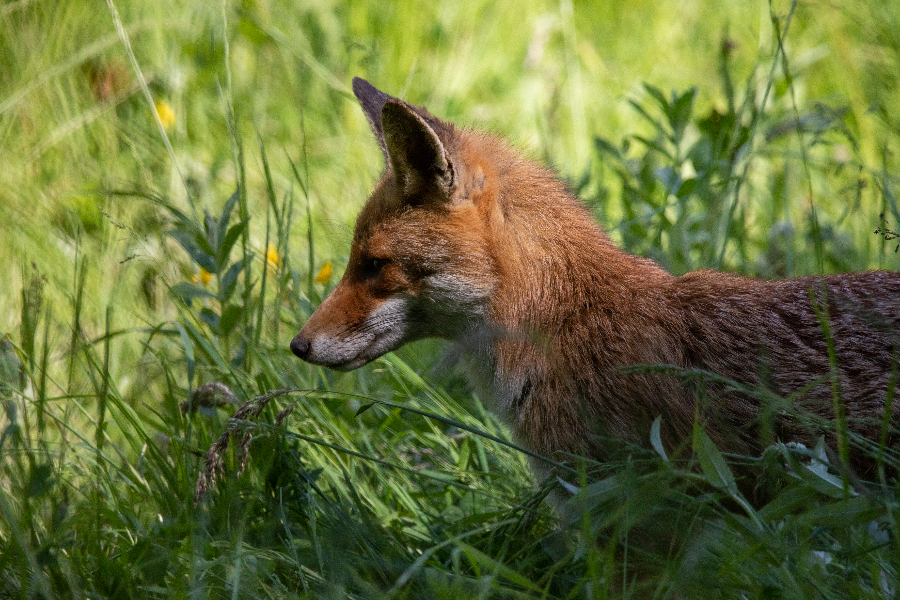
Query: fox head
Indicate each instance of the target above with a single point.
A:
(421, 263)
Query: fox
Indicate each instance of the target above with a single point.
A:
(464, 238)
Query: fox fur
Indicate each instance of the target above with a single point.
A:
(464, 239)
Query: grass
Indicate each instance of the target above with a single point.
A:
(150, 293)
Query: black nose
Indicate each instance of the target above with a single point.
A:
(300, 346)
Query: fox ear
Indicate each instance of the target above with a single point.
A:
(411, 148)
(372, 101)
(416, 154)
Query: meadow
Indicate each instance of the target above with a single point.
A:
(178, 190)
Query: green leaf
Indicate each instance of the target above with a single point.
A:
(686, 188)
(656, 440)
(605, 147)
(717, 472)
(680, 114)
(10, 368)
(790, 500)
(188, 351)
(656, 124)
(231, 238)
(194, 250)
(569, 487)
(816, 476)
(465, 451)
(230, 317)
(188, 292)
(669, 178)
(210, 237)
(228, 281)
(363, 408)
(657, 95)
(211, 318)
(654, 146)
(225, 217)
(604, 488)
(494, 566)
(206, 347)
(715, 469)
(40, 480)
(843, 513)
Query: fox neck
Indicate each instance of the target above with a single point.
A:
(562, 282)
(554, 262)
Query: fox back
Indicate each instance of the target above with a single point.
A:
(465, 239)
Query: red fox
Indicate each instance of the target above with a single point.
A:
(465, 239)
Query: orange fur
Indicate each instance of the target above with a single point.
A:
(464, 239)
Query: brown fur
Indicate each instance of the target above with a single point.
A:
(472, 242)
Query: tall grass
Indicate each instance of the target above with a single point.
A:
(149, 294)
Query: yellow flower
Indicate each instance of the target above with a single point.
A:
(272, 256)
(166, 114)
(204, 278)
(324, 273)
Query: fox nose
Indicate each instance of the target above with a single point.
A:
(300, 346)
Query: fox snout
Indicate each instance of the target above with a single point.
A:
(351, 328)
(300, 346)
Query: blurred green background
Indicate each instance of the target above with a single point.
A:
(549, 76)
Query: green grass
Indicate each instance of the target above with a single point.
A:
(775, 155)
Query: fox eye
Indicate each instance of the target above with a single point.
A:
(374, 266)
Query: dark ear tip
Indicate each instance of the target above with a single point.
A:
(361, 87)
